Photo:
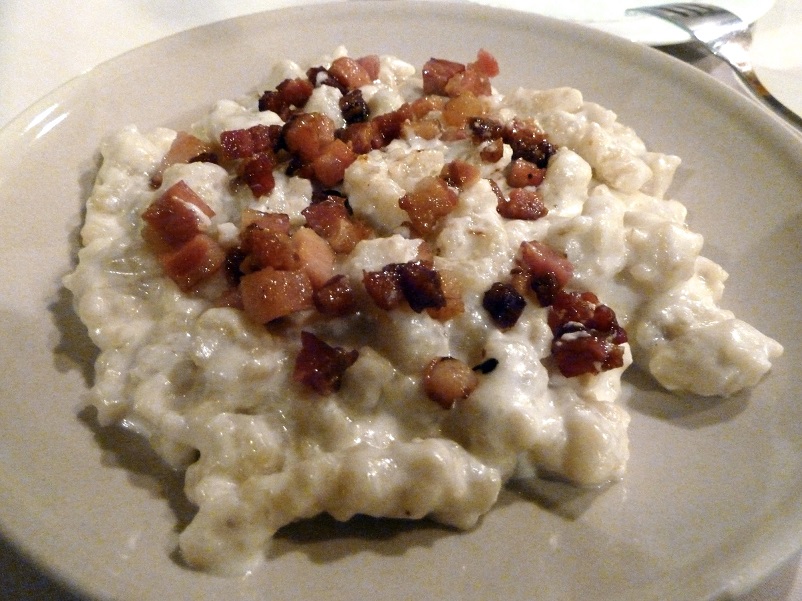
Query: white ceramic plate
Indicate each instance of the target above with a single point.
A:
(711, 500)
(610, 16)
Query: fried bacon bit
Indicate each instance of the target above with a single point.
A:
(523, 203)
(186, 148)
(372, 64)
(174, 228)
(267, 244)
(488, 133)
(452, 293)
(295, 92)
(573, 309)
(270, 101)
(436, 74)
(319, 76)
(421, 107)
(529, 143)
(336, 297)
(193, 261)
(421, 285)
(244, 143)
(522, 173)
(469, 81)
(268, 294)
(314, 255)
(349, 73)
(545, 288)
(449, 78)
(485, 63)
(605, 320)
(353, 107)
(383, 287)
(177, 216)
(428, 129)
(504, 304)
(430, 200)
(423, 125)
(389, 126)
(257, 173)
(459, 110)
(330, 165)
(254, 148)
(587, 336)
(460, 174)
(546, 270)
(585, 353)
(289, 94)
(414, 281)
(361, 137)
(476, 77)
(306, 134)
(330, 219)
(448, 380)
(320, 366)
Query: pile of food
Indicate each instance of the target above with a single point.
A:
(365, 290)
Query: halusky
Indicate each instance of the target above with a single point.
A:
(370, 292)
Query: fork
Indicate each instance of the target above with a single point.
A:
(728, 37)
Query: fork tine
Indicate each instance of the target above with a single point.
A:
(687, 9)
(705, 22)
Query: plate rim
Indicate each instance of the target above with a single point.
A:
(20, 128)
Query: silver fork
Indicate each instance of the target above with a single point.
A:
(726, 36)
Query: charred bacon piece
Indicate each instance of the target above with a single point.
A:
(415, 282)
(541, 265)
(528, 143)
(289, 95)
(320, 366)
(504, 304)
(353, 107)
(587, 336)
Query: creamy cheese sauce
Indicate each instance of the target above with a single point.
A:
(214, 393)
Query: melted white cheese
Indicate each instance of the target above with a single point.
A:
(194, 378)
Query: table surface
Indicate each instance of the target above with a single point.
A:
(32, 64)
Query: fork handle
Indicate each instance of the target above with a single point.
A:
(749, 77)
(732, 55)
